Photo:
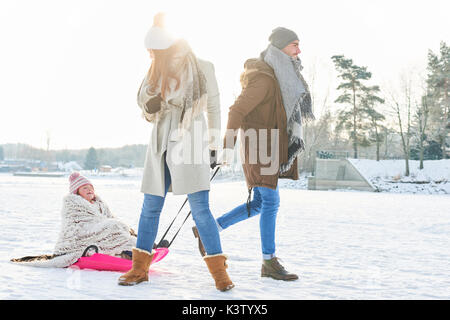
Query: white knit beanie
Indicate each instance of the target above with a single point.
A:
(76, 181)
(158, 37)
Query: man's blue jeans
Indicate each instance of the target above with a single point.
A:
(266, 202)
(204, 220)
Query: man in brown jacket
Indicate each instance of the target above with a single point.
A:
(273, 103)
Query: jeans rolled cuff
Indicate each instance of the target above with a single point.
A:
(269, 256)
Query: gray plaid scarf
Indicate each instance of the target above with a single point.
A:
(296, 98)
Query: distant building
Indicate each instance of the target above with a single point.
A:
(105, 168)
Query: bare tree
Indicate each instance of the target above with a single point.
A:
(389, 135)
(401, 105)
(316, 133)
(48, 139)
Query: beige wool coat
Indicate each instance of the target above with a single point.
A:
(187, 156)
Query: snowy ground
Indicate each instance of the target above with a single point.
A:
(344, 245)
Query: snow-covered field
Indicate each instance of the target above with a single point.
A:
(344, 245)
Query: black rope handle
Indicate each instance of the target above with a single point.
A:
(170, 243)
(87, 249)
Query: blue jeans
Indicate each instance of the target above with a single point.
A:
(204, 220)
(266, 202)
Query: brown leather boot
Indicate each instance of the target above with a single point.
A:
(201, 248)
(139, 272)
(217, 267)
(273, 269)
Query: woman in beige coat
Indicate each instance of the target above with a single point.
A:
(174, 95)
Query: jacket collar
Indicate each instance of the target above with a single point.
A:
(257, 66)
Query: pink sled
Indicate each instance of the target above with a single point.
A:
(103, 262)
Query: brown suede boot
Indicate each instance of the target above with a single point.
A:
(201, 248)
(217, 267)
(273, 269)
(139, 272)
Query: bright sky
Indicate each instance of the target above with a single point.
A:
(71, 68)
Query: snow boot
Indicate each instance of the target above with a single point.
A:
(139, 272)
(273, 269)
(201, 248)
(217, 267)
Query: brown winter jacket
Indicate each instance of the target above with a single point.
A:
(259, 106)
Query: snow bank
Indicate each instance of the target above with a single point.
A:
(389, 175)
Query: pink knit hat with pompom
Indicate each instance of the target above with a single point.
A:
(77, 181)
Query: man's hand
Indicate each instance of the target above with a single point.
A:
(226, 157)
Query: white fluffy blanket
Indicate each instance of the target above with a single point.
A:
(84, 224)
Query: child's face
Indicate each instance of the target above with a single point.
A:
(87, 192)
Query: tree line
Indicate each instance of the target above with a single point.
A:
(126, 156)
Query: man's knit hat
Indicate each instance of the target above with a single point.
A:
(281, 37)
(76, 181)
(158, 37)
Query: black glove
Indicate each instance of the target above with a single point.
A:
(154, 104)
(212, 158)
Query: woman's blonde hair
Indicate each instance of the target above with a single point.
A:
(161, 70)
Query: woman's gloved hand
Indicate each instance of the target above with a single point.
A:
(213, 158)
(153, 105)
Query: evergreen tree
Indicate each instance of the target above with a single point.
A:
(91, 161)
(351, 87)
(438, 87)
(369, 100)
(2, 154)
(421, 122)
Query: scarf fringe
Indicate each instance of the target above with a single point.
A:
(190, 114)
(306, 109)
(299, 147)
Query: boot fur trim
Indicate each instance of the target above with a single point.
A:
(144, 251)
(215, 255)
